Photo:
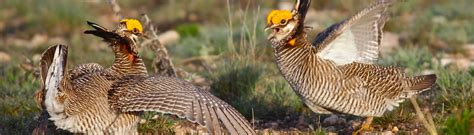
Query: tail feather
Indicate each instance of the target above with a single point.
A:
(423, 82)
(419, 84)
(45, 62)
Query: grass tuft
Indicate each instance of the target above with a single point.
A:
(460, 123)
(17, 110)
(156, 123)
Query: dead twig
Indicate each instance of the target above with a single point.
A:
(428, 124)
(162, 62)
(116, 8)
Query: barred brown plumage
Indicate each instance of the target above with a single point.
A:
(96, 100)
(336, 72)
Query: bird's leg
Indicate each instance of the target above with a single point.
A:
(365, 126)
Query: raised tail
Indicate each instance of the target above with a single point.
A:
(419, 84)
(46, 62)
(423, 82)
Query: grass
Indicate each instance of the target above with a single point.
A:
(156, 123)
(460, 123)
(454, 92)
(242, 68)
(55, 17)
(17, 107)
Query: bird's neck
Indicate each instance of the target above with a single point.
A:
(128, 63)
(290, 55)
(294, 61)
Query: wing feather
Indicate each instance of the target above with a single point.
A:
(177, 97)
(356, 39)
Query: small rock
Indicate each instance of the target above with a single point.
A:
(155, 117)
(459, 62)
(38, 39)
(19, 42)
(4, 57)
(199, 80)
(330, 129)
(334, 120)
(395, 129)
(142, 121)
(439, 19)
(168, 37)
(387, 133)
(36, 58)
(469, 48)
(355, 123)
(57, 40)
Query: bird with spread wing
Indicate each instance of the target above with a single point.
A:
(91, 99)
(336, 72)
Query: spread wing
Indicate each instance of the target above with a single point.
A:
(355, 39)
(177, 97)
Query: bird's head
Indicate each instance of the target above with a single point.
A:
(285, 24)
(124, 39)
(132, 28)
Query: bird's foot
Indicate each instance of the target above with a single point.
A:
(364, 128)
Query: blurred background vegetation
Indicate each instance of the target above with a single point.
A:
(223, 41)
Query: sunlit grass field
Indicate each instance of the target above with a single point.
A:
(224, 42)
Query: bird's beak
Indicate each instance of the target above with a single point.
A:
(269, 26)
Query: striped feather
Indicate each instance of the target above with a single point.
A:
(177, 97)
(336, 73)
(356, 39)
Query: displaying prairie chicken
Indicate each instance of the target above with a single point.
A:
(337, 71)
(96, 100)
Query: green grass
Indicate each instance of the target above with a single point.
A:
(156, 123)
(51, 16)
(460, 123)
(17, 107)
(250, 91)
(453, 92)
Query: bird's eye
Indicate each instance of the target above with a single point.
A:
(135, 30)
(283, 21)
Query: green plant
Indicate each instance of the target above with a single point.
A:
(414, 59)
(55, 17)
(17, 109)
(156, 123)
(455, 90)
(460, 123)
